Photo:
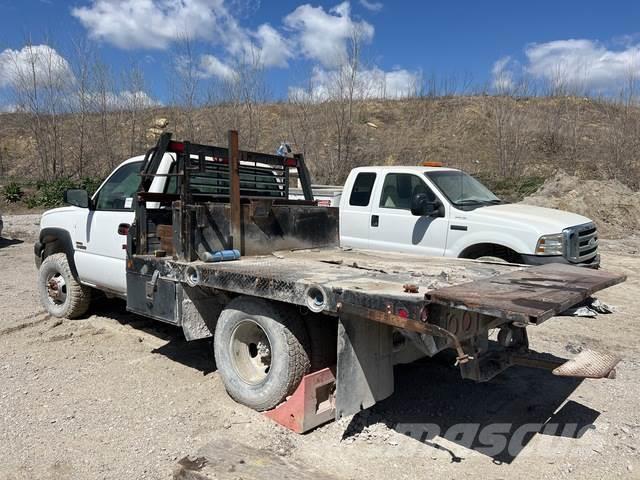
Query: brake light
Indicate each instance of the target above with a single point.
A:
(431, 164)
(403, 312)
(290, 162)
(177, 147)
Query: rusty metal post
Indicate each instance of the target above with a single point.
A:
(234, 190)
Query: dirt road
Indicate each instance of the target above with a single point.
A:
(115, 396)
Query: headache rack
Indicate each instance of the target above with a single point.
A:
(208, 174)
(205, 171)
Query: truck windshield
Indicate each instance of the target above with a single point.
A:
(461, 189)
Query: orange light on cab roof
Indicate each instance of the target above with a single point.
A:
(431, 164)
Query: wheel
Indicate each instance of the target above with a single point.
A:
(60, 293)
(262, 351)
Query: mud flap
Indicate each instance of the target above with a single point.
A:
(365, 364)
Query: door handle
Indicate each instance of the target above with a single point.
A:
(123, 229)
(375, 220)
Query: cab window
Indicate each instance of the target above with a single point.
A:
(399, 188)
(118, 192)
(361, 190)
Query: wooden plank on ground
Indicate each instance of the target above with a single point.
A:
(225, 459)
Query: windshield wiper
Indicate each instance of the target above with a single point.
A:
(469, 201)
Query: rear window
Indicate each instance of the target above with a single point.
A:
(361, 191)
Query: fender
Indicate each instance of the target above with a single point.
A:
(60, 240)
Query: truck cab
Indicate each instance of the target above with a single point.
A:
(438, 211)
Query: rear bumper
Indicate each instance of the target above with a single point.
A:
(542, 260)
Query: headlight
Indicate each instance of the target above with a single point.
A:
(550, 245)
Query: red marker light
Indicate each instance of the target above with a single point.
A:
(177, 147)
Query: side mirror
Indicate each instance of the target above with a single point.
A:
(421, 206)
(77, 197)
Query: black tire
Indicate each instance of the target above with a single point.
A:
(262, 351)
(60, 293)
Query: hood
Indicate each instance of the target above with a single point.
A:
(55, 211)
(544, 220)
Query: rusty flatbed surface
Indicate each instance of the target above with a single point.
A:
(533, 295)
(376, 279)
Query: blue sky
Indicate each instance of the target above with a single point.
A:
(593, 44)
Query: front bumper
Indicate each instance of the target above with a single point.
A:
(544, 260)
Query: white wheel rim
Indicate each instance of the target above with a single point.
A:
(56, 289)
(250, 351)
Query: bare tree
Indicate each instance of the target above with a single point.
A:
(133, 100)
(186, 85)
(245, 90)
(40, 81)
(509, 122)
(344, 88)
(103, 103)
(80, 103)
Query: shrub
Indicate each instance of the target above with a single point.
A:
(90, 184)
(51, 194)
(12, 192)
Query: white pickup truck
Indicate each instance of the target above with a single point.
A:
(438, 211)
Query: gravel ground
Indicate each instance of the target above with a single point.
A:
(116, 396)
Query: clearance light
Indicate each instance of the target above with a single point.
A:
(431, 164)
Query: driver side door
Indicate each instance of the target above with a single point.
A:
(393, 226)
(100, 249)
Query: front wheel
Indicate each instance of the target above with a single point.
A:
(60, 293)
(262, 351)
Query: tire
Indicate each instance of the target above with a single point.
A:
(488, 258)
(60, 293)
(262, 351)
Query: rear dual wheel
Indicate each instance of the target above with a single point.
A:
(262, 351)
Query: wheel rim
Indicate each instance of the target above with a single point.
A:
(56, 289)
(250, 352)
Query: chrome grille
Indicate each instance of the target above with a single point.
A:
(581, 243)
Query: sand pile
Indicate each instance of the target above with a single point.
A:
(613, 206)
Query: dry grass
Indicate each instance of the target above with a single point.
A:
(491, 136)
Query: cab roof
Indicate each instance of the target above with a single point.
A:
(405, 169)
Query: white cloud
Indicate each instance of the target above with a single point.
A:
(322, 35)
(127, 99)
(153, 24)
(39, 62)
(371, 5)
(156, 24)
(582, 63)
(369, 83)
(8, 108)
(502, 75)
(211, 66)
(274, 50)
